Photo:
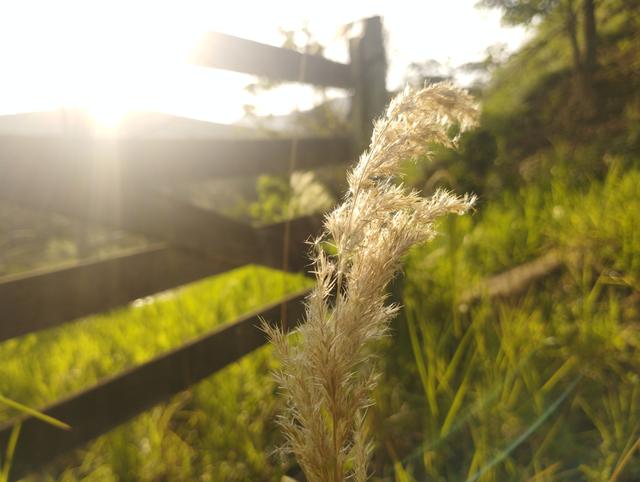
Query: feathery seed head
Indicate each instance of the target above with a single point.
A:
(327, 375)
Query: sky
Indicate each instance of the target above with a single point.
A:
(110, 57)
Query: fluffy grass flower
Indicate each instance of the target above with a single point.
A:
(327, 373)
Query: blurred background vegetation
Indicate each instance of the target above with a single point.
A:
(543, 384)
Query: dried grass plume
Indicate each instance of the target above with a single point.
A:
(327, 374)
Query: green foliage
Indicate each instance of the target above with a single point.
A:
(520, 11)
(537, 100)
(281, 198)
(274, 195)
(545, 386)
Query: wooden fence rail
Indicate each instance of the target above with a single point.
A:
(48, 298)
(126, 206)
(157, 162)
(119, 183)
(118, 399)
(222, 51)
(39, 300)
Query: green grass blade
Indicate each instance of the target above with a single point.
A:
(456, 404)
(11, 448)
(527, 433)
(419, 359)
(624, 461)
(34, 413)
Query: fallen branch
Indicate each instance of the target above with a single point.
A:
(516, 280)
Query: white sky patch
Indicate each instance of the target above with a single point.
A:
(111, 57)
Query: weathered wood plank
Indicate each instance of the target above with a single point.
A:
(89, 179)
(223, 51)
(118, 399)
(153, 162)
(301, 231)
(105, 198)
(369, 69)
(39, 300)
(123, 205)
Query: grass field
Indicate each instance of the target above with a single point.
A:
(543, 386)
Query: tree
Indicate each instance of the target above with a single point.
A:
(518, 12)
(590, 34)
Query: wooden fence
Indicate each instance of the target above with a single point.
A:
(59, 175)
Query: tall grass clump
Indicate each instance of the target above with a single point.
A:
(539, 385)
(327, 373)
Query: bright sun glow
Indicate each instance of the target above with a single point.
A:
(110, 58)
(107, 59)
(113, 57)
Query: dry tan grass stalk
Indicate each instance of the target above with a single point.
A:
(327, 374)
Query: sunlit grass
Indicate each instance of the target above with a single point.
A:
(544, 386)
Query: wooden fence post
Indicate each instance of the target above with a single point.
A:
(369, 71)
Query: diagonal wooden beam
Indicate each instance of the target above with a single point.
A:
(153, 162)
(223, 51)
(43, 299)
(82, 181)
(106, 198)
(127, 207)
